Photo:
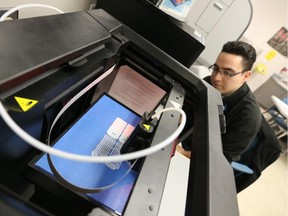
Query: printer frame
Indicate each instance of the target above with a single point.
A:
(42, 74)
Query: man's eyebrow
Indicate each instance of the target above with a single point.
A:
(227, 69)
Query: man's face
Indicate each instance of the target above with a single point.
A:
(228, 64)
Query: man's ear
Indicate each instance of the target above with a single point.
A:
(247, 75)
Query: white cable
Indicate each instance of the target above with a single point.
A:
(77, 96)
(100, 159)
(12, 10)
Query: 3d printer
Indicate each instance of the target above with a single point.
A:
(46, 61)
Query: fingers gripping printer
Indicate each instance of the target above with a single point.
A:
(80, 83)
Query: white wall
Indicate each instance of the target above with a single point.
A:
(64, 5)
(268, 17)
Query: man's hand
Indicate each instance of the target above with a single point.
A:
(182, 151)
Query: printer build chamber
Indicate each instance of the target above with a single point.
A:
(46, 61)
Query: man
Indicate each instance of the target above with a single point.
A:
(229, 74)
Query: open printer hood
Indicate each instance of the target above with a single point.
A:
(49, 59)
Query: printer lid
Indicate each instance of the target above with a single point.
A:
(52, 46)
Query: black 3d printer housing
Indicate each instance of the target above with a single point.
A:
(52, 58)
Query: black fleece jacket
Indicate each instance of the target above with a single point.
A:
(243, 121)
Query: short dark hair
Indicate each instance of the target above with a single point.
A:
(243, 49)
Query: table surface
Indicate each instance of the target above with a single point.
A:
(281, 106)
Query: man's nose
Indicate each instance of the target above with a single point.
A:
(217, 76)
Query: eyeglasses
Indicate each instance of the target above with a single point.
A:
(224, 73)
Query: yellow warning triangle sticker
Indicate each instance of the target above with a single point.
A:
(147, 127)
(25, 103)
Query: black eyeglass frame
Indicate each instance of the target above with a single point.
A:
(212, 70)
